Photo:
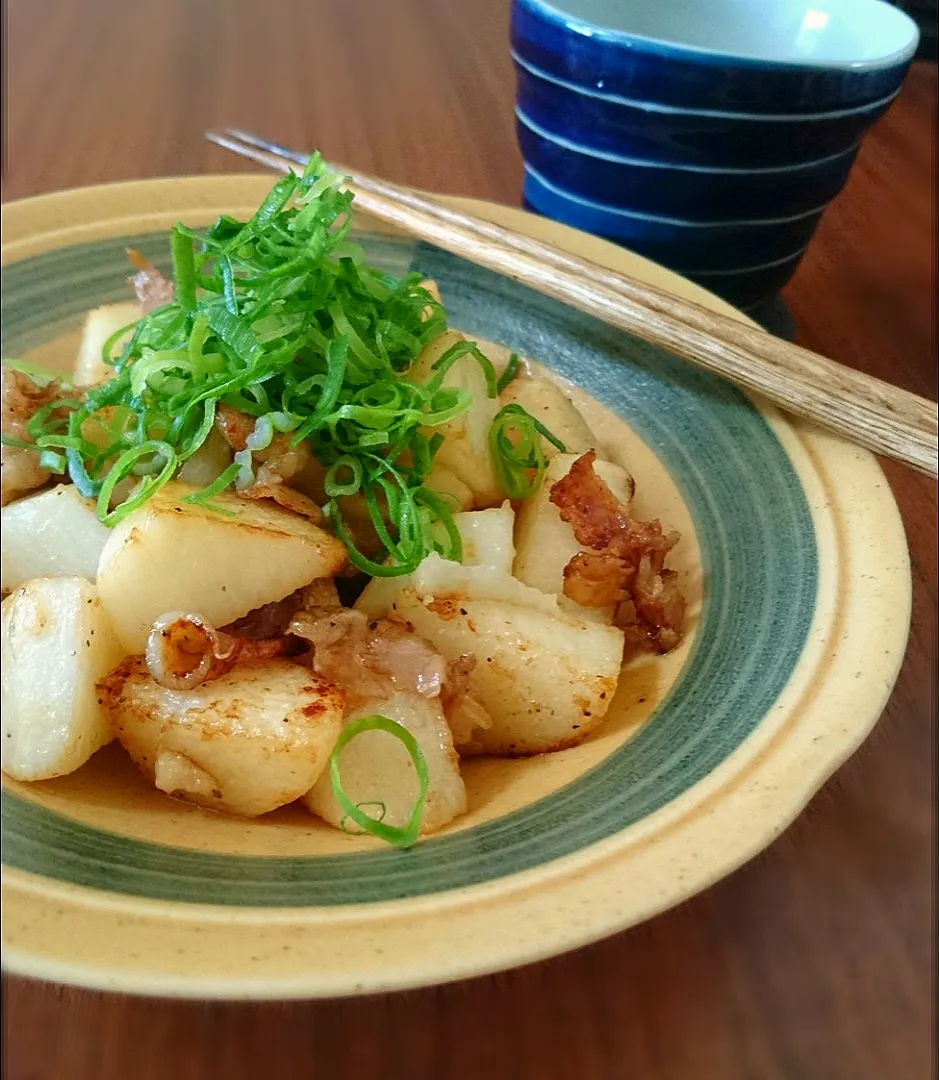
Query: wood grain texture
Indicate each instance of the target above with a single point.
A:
(811, 963)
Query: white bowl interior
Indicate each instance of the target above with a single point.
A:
(838, 33)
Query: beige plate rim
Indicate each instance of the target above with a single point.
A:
(834, 699)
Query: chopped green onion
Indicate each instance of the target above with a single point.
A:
(52, 461)
(443, 516)
(184, 269)
(334, 487)
(218, 485)
(197, 340)
(358, 559)
(228, 284)
(379, 806)
(107, 349)
(236, 333)
(402, 836)
(511, 370)
(42, 419)
(515, 449)
(20, 444)
(40, 375)
(454, 353)
(122, 468)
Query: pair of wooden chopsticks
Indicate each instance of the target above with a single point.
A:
(867, 411)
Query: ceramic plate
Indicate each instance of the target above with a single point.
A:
(794, 558)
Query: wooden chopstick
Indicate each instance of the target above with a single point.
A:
(867, 411)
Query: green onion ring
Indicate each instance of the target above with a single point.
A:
(401, 836)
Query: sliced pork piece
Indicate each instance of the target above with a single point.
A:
(20, 398)
(286, 497)
(276, 463)
(623, 563)
(152, 288)
(316, 600)
(370, 658)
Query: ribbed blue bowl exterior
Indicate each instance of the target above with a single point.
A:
(715, 167)
(684, 137)
(666, 190)
(698, 245)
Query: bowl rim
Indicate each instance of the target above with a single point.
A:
(645, 105)
(692, 842)
(667, 48)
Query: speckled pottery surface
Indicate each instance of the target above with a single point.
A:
(795, 562)
(709, 137)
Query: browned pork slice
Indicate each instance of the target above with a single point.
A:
(20, 398)
(623, 561)
(152, 288)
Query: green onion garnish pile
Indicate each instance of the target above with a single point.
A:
(280, 318)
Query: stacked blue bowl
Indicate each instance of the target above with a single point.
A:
(708, 135)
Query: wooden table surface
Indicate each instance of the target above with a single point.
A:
(811, 963)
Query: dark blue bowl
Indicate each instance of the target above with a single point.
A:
(777, 56)
(697, 246)
(665, 133)
(692, 193)
(709, 135)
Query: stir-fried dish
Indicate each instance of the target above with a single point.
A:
(285, 535)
